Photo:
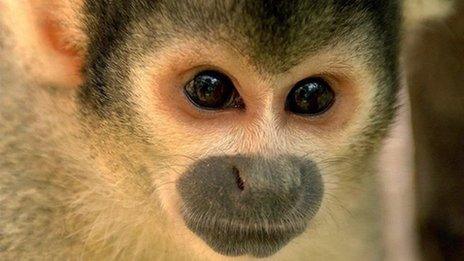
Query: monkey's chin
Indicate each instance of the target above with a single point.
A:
(257, 241)
(259, 248)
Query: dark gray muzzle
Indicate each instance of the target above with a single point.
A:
(250, 205)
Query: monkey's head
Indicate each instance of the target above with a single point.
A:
(237, 121)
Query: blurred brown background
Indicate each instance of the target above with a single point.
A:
(434, 60)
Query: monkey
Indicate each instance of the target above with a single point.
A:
(194, 130)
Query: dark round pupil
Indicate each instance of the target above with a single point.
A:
(210, 89)
(311, 96)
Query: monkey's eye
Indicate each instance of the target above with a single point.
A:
(311, 96)
(212, 90)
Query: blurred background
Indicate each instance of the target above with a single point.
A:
(435, 76)
(422, 168)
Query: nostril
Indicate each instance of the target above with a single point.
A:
(238, 179)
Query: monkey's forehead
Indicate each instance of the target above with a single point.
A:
(276, 35)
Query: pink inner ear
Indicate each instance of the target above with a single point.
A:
(55, 37)
(64, 58)
(53, 34)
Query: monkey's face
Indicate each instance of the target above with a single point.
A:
(239, 117)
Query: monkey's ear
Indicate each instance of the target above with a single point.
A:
(60, 38)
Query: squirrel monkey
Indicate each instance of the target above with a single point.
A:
(180, 130)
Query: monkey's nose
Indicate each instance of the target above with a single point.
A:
(238, 179)
(249, 204)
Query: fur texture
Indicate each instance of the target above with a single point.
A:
(90, 172)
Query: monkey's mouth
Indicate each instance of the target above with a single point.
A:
(242, 205)
(235, 238)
